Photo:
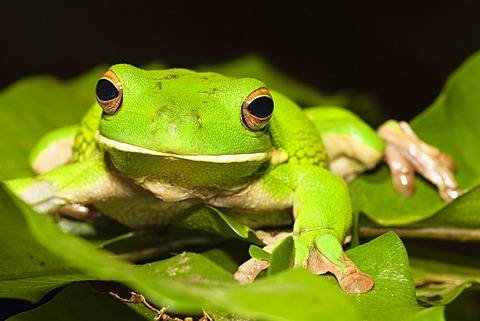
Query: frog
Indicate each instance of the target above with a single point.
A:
(157, 143)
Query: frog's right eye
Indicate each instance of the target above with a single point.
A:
(109, 93)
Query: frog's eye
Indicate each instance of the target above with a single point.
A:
(109, 93)
(257, 109)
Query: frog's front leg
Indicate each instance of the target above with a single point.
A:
(78, 183)
(323, 218)
(405, 153)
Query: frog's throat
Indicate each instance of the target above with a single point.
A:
(228, 158)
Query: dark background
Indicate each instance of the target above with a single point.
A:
(401, 51)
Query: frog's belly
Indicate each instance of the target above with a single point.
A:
(261, 219)
(151, 212)
(144, 212)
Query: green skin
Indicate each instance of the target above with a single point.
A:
(179, 139)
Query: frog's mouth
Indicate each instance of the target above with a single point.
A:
(227, 158)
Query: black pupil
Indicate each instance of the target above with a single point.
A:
(261, 107)
(106, 90)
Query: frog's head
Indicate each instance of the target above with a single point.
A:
(179, 114)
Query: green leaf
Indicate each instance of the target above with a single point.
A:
(442, 275)
(451, 125)
(32, 107)
(147, 246)
(187, 268)
(258, 253)
(209, 219)
(283, 256)
(190, 296)
(294, 295)
(27, 270)
(78, 302)
(229, 255)
(188, 282)
(461, 213)
(393, 296)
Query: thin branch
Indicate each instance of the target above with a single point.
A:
(442, 233)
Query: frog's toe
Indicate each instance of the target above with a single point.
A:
(248, 271)
(84, 213)
(405, 153)
(356, 282)
(402, 172)
(37, 193)
(325, 254)
(350, 278)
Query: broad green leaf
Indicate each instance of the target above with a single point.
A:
(283, 256)
(32, 107)
(187, 288)
(293, 295)
(458, 221)
(77, 302)
(393, 296)
(441, 275)
(450, 124)
(189, 296)
(464, 307)
(146, 246)
(27, 270)
(187, 268)
(229, 255)
(209, 219)
(462, 213)
(258, 253)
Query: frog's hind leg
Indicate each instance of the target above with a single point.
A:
(53, 150)
(352, 146)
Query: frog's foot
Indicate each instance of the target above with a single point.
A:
(350, 278)
(405, 153)
(321, 252)
(248, 271)
(84, 213)
(308, 254)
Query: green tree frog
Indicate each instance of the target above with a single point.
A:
(159, 142)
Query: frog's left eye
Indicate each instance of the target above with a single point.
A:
(257, 109)
(109, 93)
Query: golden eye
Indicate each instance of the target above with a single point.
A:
(257, 109)
(109, 93)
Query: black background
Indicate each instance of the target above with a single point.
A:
(401, 51)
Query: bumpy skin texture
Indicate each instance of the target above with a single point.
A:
(179, 140)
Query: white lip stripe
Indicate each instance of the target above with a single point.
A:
(228, 158)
